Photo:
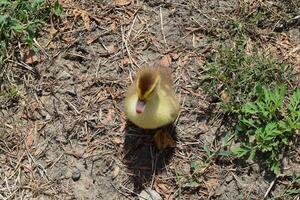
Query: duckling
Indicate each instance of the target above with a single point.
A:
(150, 102)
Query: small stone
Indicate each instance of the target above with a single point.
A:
(39, 92)
(229, 178)
(149, 194)
(72, 92)
(64, 75)
(76, 175)
(48, 117)
(115, 172)
(186, 168)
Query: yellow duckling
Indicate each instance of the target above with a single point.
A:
(150, 102)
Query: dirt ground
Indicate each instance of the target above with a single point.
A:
(66, 136)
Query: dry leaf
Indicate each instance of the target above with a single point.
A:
(183, 61)
(249, 47)
(126, 61)
(123, 125)
(115, 172)
(200, 61)
(86, 21)
(163, 189)
(29, 138)
(163, 139)
(110, 115)
(175, 56)
(225, 97)
(92, 39)
(113, 26)
(166, 60)
(212, 184)
(27, 168)
(67, 39)
(41, 148)
(297, 68)
(111, 49)
(53, 31)
(30, 57)
(203, 127)
(84, 16)
(117, 140)
(155, 42)
(122, 2)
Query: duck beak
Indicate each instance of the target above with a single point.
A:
(140, 106)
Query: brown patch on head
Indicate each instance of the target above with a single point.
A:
(146, 83)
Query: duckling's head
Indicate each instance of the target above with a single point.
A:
(146, 87)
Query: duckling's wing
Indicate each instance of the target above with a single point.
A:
(166, 80)
(128, 98)
(166, 75)
(166, 85)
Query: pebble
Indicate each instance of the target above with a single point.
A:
(76, 175)
(63, 75)
(149, 194)
(229, 178)
(48, 117)
(72, 92)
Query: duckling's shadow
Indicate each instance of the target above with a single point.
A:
(142, 158)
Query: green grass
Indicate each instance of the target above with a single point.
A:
(293, 189)
(253, 16)
(236, 73)
(265, 122)
(11, 94)
(248, 83)
(267, 125)
(20, 22)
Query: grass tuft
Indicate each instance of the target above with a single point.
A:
(20, 22)
(267, 125)
(240, 77)
(234, 75)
